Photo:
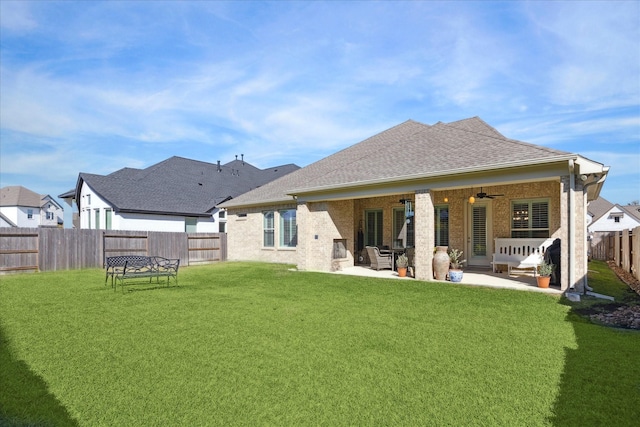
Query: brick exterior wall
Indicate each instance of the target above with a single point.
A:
(319, 223)
(245, 236)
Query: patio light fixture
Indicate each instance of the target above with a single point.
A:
(472, 200)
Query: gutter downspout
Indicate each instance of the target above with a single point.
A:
(572, 225)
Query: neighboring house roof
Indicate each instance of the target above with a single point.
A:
(633, 210)
(408, 151)
(177, 185)
(45, 199)
(599, 207)
(18, 195)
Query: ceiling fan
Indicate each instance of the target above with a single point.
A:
(483, 195)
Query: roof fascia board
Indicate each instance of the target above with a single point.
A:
(163, 213)
(556, 162)
(249, 205)
(449, 182)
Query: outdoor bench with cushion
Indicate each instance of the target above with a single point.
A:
(125, 269)
(520, 253)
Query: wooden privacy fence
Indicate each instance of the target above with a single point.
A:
(622, 247)
(49, 249)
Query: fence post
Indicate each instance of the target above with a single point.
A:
(635, 252)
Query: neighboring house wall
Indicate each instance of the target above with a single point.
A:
(6, 222)
(52, 213)
(22, 216)
(95, 212)
(607, 222)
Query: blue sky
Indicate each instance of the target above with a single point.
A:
(98, 86)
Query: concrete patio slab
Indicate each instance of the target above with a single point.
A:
(471, 277)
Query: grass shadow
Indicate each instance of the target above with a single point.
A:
(24, 396)
(600, 384)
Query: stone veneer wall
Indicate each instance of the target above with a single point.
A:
(319, 224)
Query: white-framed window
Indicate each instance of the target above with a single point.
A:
(49, 215)
(373, 226)
(107, 218)
(442, 225)
(190, 224)
(268, 229)
(96, 213)
(29, 213)
(288, 228)
(530, 218)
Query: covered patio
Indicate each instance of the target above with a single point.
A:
(471, 277)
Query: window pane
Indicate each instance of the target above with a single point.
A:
(442, 225)
(530, 219)
(190, 225)
(479, 230)
(107, 219)
(288, 229)
(373, 228)
(268, 240)
(520, 215)
(540, 215)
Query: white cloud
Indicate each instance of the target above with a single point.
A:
(596, 49)
(16, 16)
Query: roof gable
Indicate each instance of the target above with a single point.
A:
(598, 207)
(408, 150)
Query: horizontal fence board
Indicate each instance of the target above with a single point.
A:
(50, 249)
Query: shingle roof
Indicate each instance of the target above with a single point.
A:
(598, 207)
(424, 150)
(633, 210)
(179, 186)
(18, 195)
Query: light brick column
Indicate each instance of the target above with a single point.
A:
(564, 232)
(424, 235)
(580, 246)
(303, 223)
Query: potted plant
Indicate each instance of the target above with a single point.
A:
(402, 262)
(455, 261)
(545, 270)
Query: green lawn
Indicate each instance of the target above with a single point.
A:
(257, 344)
